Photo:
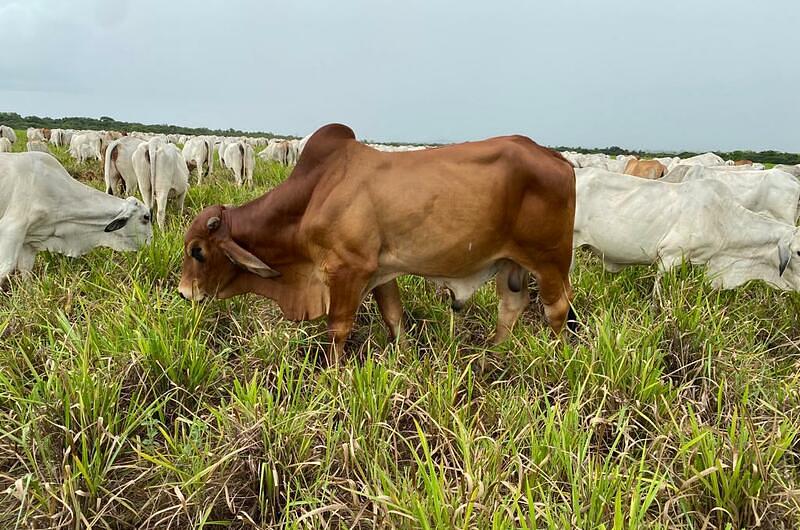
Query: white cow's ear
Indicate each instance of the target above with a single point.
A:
(784, 256)
(118, 222)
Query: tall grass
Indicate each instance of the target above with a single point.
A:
(122, 406)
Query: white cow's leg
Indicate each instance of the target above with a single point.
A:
(199, 172)
(26, 259)
(161, 209)
(11, 238)
(179, 199)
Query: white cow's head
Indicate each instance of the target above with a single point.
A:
(131, 227)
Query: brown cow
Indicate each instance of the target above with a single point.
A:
(350, 219)
(648, 169)
(743, 163)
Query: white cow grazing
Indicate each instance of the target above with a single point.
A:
(8, 132)
(118, 171)
(792, 170)
(84, 146)
(240, 159)
(771, 192)
(199, 150)
(35, 135)
(706, 159)
(57, 137)
(5, 145)
(281, 151)
(44, 208)
(37, 145)
(161, 172)
(668, 161)
(628, 221)
(223, 144)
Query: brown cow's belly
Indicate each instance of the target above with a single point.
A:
(462, 287)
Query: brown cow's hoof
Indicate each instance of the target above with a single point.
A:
(572, 320)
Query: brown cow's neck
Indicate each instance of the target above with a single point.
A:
(269, 223)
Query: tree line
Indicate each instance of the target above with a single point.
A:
(14, 120)
(105, 123)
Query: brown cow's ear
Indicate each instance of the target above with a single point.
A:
(246, 260)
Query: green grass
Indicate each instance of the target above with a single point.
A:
(122, 406)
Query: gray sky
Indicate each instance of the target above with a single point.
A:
(696, 74)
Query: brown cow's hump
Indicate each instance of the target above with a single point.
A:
(325, 140)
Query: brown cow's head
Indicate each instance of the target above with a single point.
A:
(212, 260)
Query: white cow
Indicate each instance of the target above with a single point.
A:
(84, 146)
(223, 144)
(281, 151)
(199, 150)
(706, 159)
(5, 145)
(161, 172)
(628, 221)
(35, 135)
(792, 170)
(771, 192)
(44, 208)
(57, 137)
(37, 145)
(118, 171)
(8, 132)
(240, 159)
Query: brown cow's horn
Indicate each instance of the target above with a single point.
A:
(212, 224)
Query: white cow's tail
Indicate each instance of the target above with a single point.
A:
(152, 150)
(210, 149)
(109, 166)
(244, 160)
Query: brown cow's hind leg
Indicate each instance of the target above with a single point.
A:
(554, 292)
(391, 308)
(512, 290)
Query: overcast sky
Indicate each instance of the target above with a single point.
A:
(694, 74)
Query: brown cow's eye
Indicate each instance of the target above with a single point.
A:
(197, 254)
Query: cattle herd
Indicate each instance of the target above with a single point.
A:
(352, 217)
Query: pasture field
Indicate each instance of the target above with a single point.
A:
(123, 406)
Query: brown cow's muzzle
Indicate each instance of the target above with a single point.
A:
(189, 291)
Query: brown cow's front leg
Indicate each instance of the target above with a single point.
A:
(391, 308)
(346, 290)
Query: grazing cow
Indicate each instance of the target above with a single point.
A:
(197, 151)
(646, 169)
(118, 170)
(706, 159)
(35, 135)
(350, 219)
(223, 144)
(773, 192)
(630, 221)
(5, 145)
(161, 172)
(43, 208)
(792, 170)
(8, 132)
(84, 146)
(37, 145)
(57, 137)
(281, 151)
(240, 159)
